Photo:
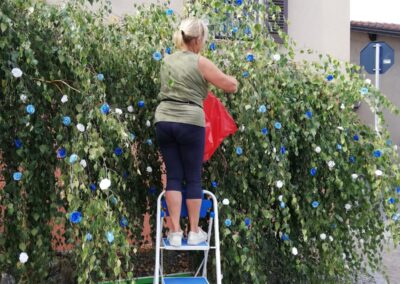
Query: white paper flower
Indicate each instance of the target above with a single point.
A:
(323, 236)
(279, 184)
(331, 164)
(118, 111)
(294, 251)
(149, 169)
(347, 206)
(342, 106)
(130, 108)
(276, 57)
(64, 99)
(344, 256)
(378, 173)
(331, 238)
(361, 241)
(105, 184)
(148, 124)
(23, 98)
(340, 128)
(317, 149)
(225, 201)
(23, 257)
(395, 147)
(354, 176)
(274, 150)
(280, 198)
(30, 10)
(247, 107)
(83, 163)
(242, 128)
(368, 81)
(80, 127)
(16, 72)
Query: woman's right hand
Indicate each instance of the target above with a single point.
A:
(216, 77)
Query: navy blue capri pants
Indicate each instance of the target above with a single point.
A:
(182, 149)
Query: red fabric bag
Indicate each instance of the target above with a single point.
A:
(219, 124)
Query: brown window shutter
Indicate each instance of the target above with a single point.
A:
(281, 20)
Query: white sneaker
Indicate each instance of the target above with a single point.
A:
(197, 238)
(175, 238)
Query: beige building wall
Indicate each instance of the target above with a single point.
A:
(321, 25)
(389, 82)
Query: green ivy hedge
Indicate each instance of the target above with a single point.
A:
(308, 190)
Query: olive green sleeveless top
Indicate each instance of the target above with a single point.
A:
(181, 80)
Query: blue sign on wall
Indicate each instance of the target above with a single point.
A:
(367, 57)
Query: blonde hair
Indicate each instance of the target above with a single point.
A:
(190, 29)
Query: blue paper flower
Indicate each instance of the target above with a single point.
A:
(113, 200)
(283, 150)
(149, 142)
(247, 221)
(30, 109)
(123, 222)
(152, 190)
(214, 184)
(61, 153)
(250, 58)
(330, 77)
(396, 217)
(89, 237)
(18, 143)
(389, 142)
(169, 12)
(105, 108)
(278, 125)
(356, 138)
(235, 30)
(141, 104)
(315, 204)
(245, 74)
(157, 56)
(100, 77)
(313, 172)
(93, 187)
(75, 217)
(391, 200)
(228, 222)
(132, 136)
(238, 2)
(110, 237)
(213, 46)
(17, 176)
(309, 114)
(118, 151)
(264, 131)
(285, 237)
(66, 120)
(352, 159)
(73, 158)
(239, 151)
(168, 50)
(364, 91)
(262, 109)
(282, 204)
(247, 31)
(377, 153)
(339, 147)
(398, 189)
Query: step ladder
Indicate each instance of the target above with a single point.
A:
(162, 243)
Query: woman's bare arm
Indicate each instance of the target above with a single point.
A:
(216, 77)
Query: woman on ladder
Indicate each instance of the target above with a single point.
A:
(180, 123)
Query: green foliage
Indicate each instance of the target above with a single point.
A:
(61, 51)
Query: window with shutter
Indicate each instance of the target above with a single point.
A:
(280, 22)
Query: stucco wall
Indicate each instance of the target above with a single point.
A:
(389, 82)
(323, 26)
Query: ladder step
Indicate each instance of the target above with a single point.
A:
(184, 246)
(185, 280)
